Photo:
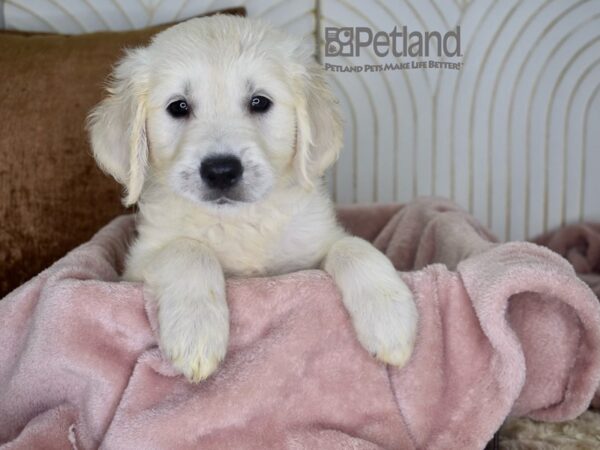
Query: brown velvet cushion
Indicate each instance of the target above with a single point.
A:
(52, 195)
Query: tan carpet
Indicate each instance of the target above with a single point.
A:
(582, 433)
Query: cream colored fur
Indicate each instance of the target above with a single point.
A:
(187, 245)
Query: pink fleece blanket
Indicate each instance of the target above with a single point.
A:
(504, 329)
(580, 245)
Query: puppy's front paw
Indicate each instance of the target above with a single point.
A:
(380, 304)
(194, 335)
(387, 324)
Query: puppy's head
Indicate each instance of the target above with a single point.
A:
(220, 110)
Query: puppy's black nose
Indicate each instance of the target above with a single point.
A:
(221, 172)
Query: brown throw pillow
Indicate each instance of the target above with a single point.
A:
(52, 195)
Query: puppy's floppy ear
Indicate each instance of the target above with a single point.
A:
(117, 125)
(319, 125)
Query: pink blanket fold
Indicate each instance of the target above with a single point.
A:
(580, 245)
(504, 329)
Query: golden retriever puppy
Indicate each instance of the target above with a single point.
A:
(221, 130)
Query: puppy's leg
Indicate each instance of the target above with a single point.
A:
(188, 282)
(380, 305)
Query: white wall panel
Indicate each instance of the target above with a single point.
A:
(514, 136)
(84, 16)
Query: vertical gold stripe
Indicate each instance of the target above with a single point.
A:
(582, 77)
(503, 64)
(582, 181)
(413, 102)
(473, 103)
(557, 83)
(510, 129)
(375, 129)
(454, 112)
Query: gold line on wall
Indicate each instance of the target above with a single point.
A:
(503, 64)
(439, 12)
(67, 13)
(180, 10)
(520, 73)
(454, 103)
(395, 119)
(31, 12)
(480, 69)
(576, 88)
(122, 10)
(100, 16)
(354, 128)
(413, 104)
(588, 106)
(375, 187)
(549, 110)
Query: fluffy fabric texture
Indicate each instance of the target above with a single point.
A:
(504, 329)
(580, 245)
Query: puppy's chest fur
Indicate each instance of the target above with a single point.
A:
(271, 239)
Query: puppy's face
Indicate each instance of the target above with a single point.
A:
(221, 123)
(219, 110)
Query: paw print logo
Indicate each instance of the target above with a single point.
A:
(339, 41)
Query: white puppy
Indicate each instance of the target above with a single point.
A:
(221, 130)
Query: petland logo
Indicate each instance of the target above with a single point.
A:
(350, 41)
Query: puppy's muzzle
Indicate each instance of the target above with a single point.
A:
(221, 172)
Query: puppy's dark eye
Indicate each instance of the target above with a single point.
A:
(259, 104)
(179, 108)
